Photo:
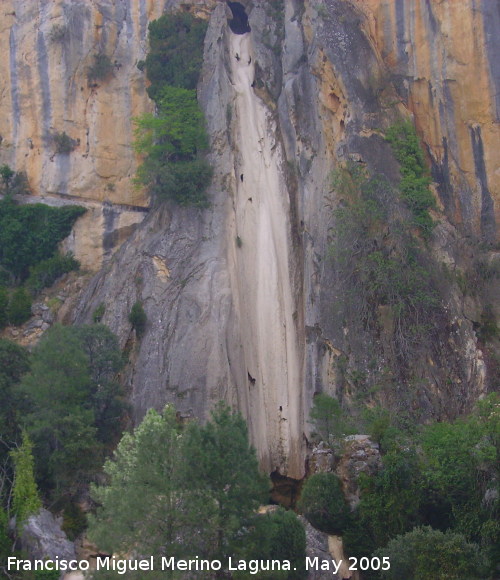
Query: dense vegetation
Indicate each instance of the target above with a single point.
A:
(434, 505)
(415, 180)
(62, 412)
(172, 141)
(190, 490)
(29, 239)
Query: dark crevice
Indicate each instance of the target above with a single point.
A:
(239, 22)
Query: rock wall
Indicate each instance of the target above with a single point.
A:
(239, 297)
(443, 59)
(49, 47)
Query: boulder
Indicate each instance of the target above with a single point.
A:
(42, 537)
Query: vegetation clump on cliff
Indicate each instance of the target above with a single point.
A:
(173, 141)
(415, 181)
(29, 239)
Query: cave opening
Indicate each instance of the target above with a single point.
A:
(285, 490)
(239, 22)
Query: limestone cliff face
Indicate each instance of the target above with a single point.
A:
(443, 59)
(47, 48)
(239, 297)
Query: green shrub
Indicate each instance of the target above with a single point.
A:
(138, 318)
(99, 313)
(101, 69)
(323, 504)
(414, 184)
(174, 140)
(6, 174)
(276, 535)
(46, 272)
(175, 54)
(74, 520)
(378, 263)
(19, 310)
(31, 233)
(427, 554)
(63, 143)
(327, 418)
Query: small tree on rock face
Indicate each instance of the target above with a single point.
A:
(25, 500)
(19, 309)
(138, 318)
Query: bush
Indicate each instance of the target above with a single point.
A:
(19, 310)
(276, 535)
(101, 69)
(427, 554)
(63, 143)
(326, 417)
(138, 318)
(99, 313)
(6, 174)
(323, 504)
(414, 184)
(173, 140)
(175, 55)
(31, 233)
(46, 272)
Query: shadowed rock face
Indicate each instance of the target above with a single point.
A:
(239, 22)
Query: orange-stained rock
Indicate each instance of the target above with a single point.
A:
(444, 58)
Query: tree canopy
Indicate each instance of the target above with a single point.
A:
(181, 490)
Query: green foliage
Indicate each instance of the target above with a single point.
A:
(46, 272)
(19, 310)
(144, 505)
(327, 419)
(47, 575)
(427, 554)
(101, 69)
(225, 468)
(4, 303)
(31, 233)
(175, 55)
(461, 468)
(6, 174)
(25, 499)
(99, 313)
(13, 365)
(276, 535)
(138, 318)
(390, 501)
(74, 520)
(184, 492)
(178, 132)
(323, 504)
(75, 403)
(63, 143)
(415, 182)
(173, 140)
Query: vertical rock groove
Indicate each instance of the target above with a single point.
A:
(261, 274)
